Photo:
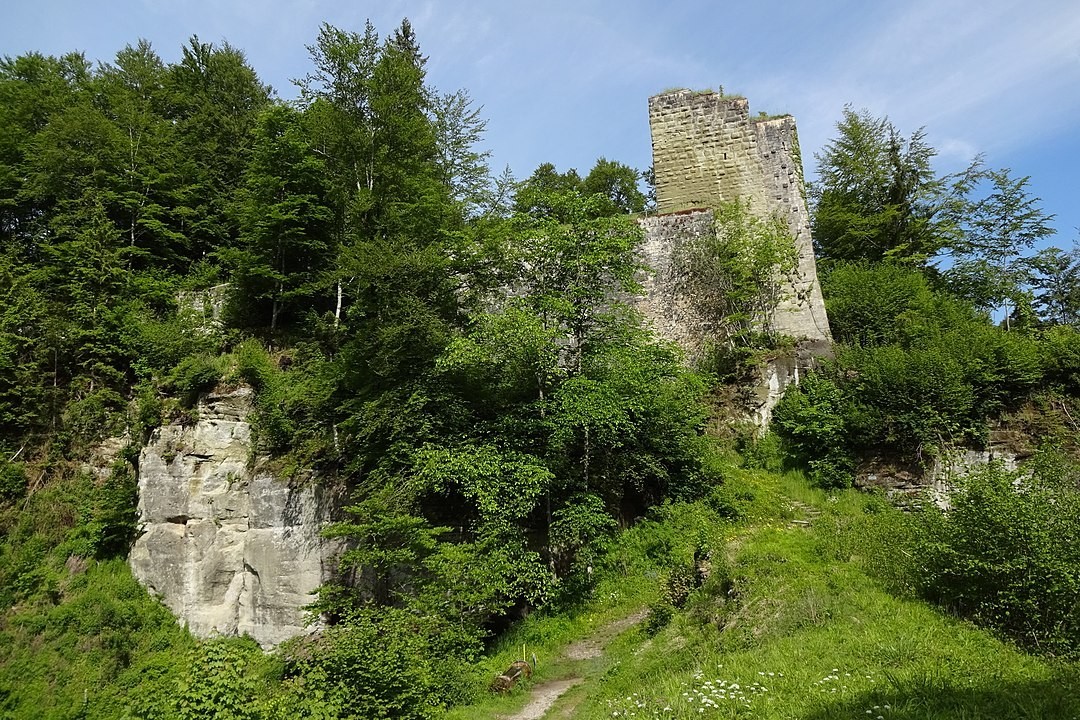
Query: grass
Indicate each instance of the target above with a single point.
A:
(104, 645)
(806, 613)
(796, 621)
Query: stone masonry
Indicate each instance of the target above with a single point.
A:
(707, 150)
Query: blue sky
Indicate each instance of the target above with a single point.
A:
(569, 82)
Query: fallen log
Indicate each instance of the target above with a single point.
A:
(515, 672)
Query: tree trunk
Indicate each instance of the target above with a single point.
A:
(337, 310)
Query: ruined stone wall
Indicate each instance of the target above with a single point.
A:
(669, 310)
(706, 151)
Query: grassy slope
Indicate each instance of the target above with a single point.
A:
(808, 626)
(813, 614)
(103, 647)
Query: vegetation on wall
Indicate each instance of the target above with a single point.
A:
(734, 278)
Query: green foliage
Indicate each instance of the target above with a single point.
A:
(12, 481)
(913, 397)
(100, 648)
(1006, 554)
(877, 197)
(284, 246)
(761, 453)
(375, 665)
(617, 183)
(1055, 277)
(195, 374)
(996, 229)
(294, 394)
(460, 128)
(580, 533)
(735, 277)
(867, 305)
(388, 547)
(502, 487)
(811, 418)
(107, 518)
(215, 684)
(611, 188)
(1060, 351)
(468, 585)
(918, 371)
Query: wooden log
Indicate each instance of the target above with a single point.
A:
(515, 672)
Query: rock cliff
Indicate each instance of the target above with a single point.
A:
(228, 547)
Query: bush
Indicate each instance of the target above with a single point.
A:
(1007, 555)
(1060, 355)
(216, 685)
(108, 520)
(911, 397)
(866, 302)
(811, 418)
(12, 481)
(376, 665)
(194, 375)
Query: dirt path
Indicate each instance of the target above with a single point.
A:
(593, 646)
(543, 696)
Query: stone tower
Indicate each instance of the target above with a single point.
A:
(708, 150)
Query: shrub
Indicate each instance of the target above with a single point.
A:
(216, 685)
(12, 480)
(1007, 555)
(912, 397)
(811, 419)
(1060, 355)
(865, 302)
(376, 665)
(193, 375)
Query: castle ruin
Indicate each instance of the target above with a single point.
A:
(707, 150)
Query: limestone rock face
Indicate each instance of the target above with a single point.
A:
(228, 547)
(900, 479)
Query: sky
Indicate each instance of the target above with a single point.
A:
(570, 82)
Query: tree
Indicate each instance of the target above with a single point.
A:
(387, 544)
(877, 195)
(616, 182)
(573, 260)
(23, 314)
(33, 89)
(535, 195)
(392, 185)
(145, 190)
(215, 98)
(998, 228)
(1055, 276)
(459, 128)
(285, 242)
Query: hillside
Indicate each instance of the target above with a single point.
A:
(802, 616)
(306, 413)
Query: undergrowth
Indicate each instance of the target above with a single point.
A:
(808, 611)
